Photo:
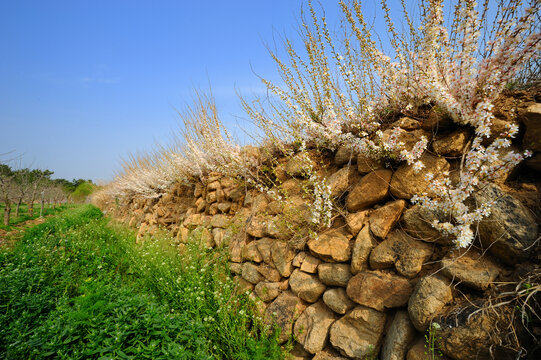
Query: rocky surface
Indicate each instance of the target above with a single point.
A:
(312, 327)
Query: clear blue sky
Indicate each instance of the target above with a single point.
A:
(85, 83)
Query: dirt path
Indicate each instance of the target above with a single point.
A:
(8, 238)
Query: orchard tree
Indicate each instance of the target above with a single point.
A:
(22, 185)
(6, 183)
(39, 179)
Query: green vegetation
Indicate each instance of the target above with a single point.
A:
(82, 191)
(24, 214)
(78, 287)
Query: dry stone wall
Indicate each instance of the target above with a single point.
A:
(371, 285)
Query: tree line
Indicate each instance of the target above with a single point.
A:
(31, 186)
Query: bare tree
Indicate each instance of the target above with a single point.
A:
(39, 179)
(6, 177)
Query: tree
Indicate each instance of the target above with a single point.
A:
(39, 179)
(6, 176)
(22, 182)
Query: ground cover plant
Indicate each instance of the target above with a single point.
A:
(77, 287)
(25, 216)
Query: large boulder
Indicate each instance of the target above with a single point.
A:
(282, 257)
(367, 164)
(373, 188)
(306, 286)
(268, 291)
(417, 222)
(312, 327)
(406, 182)
(510, 230)
(250, 273)
(399, 336)
(406, 254)
(345, 155)
(337, 300)
(364, 243)
(251, 253)
(332, 246)
(356, 221)
(452, 144)
(358, 334)
(383, 219)
(297, 165)
(339, 182)
(472, 269)
(283, 312)
(379, 290)
(334, 274)
(430, 295)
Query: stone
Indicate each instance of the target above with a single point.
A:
(356, 221)
(339, 182)
(406, 182)
(275, 207)
(379, 290)
(417, 222)
(471, 268)
(211, 197)
(198, 190)
(183, 234)
(298, 353)
(364, 243)
(310, 264)
(406, 254)
(259, 204)
(235, 249)
(429, 297)
(344, 155)
(200, 205)
(299, 258)
(227, 182)
(212, 209)
(453, 144)
(532, 119)
(510, 230)
(337, 300)
(332, 246)
(250, 273)
(267, 291)
(328, 354)
(296, 166)
(243, 285)
(215, 185)
(224, 207)
(283, 312)
(408, 138)
(534, 162)
(358, 334)
(257, 227)
(306, 286)
(407, 123)
(264, 248)
(251, 253)
(292, 187)
(269, 273)
(418, 351)
(206, 237)
(282, 257)
(220, 221)
(383, 219)
(398, 337)
(334, 274)
(373, 188)
(367, 164)
(312, 327)
(235, 268)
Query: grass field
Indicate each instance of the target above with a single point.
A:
(78, 287)
(24, 216)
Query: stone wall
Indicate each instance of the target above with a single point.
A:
(372, 283)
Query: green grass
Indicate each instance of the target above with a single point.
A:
(77, 287)
(24, 216)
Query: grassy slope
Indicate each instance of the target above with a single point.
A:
(76, 287)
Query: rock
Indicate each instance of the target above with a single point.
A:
(339, 182)
(337, 300)
(235, 249)
(243, 285)
(332, 246)
(406, 182)
(264, 248)
(235, 268)
(534, 162)
(417, 222)
(471, 269)
(306, 286)
(358, 333)
(379, 290)
(418, 351)
(250, 273)
(401, 251)
(298, 353)
(407, 123)
(367, 164)
(430, 295)
(364, 243)
(334, 274)
(200, 205)
(452, 144)
(269, 273)
(299, 258)
(408, 138)
(268, 291)
(372, 189)
(215, 185)
(275, 207)
(328, 354)
(398, 337)
(532, 119)
(250, 252)
(227, 182)
(283, 312)
(259, 204)
(296, 166)
(211, 197)
(356, 221)
(206, 237)
(384, 218)
(510, 229)
(344, 155)
(309, 264)
(257, 227)
(282, 256)
(312, 327)
(292, 187)
(198, 190)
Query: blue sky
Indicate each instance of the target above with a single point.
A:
(85, 83)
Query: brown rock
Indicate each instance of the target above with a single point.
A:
(367, 164)
(296, 166)
(309, 264)
(356, 221)
(384, 218)
(299, 258)
(259, 204)
(532, 119)
(332, 246)
(417, 222)
(344, 155)
(379, 290)
(268, 291)
(257, 227)
(224, 207)
(250, 273)
(452, 144)
(283, 312)
(235, 268)
(211, 197)
(406, 182)
(334, 274)
(243, 285)
(292, 187)
(339, 182)
(328, 354)
(471, 268)
(398, 337)
(372, 189)
(408, 138)
(282, 256)
(364, 243)
(337, 300)
(298, 353)
(429, 296)
(251, 253)
(407, 123)
(358, 333)
(235, 249)
(269, 273)
(312, 327)
(264, 248)
(401, 251)
(200, 205)
(418, 351)
(306, 286)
